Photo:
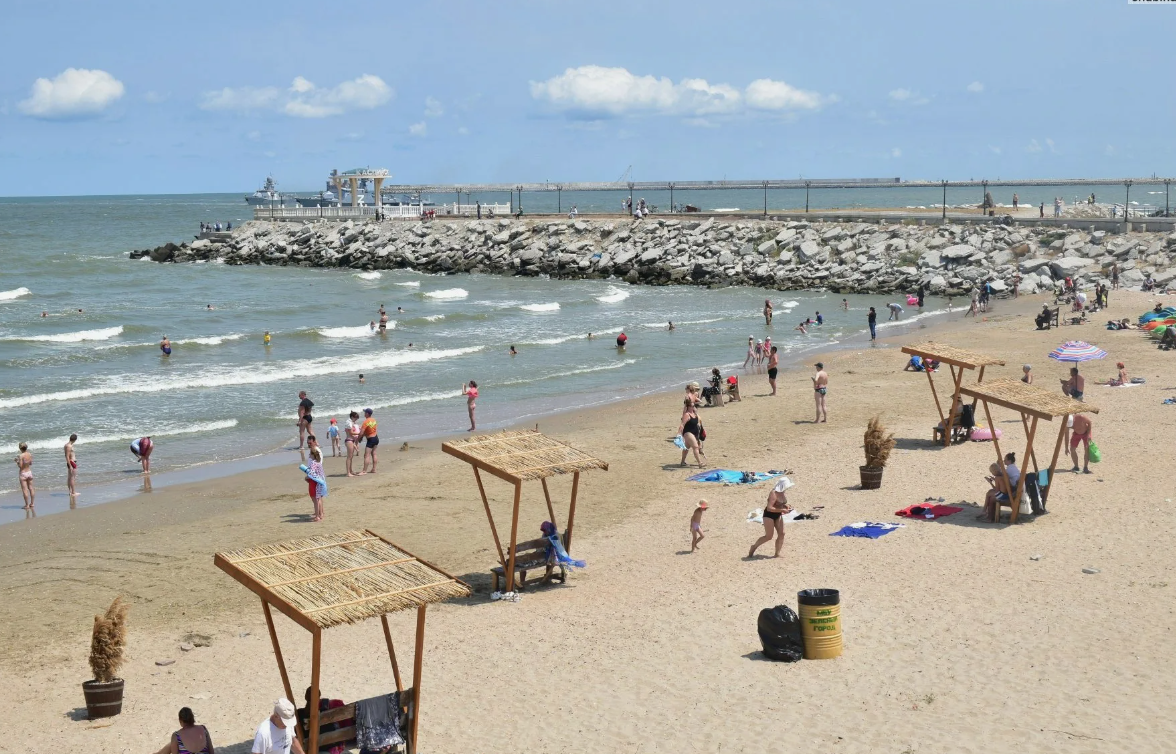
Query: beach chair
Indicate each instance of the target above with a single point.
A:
(532, 555)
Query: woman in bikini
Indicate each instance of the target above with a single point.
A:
(690, 428)
(750, 352)
(773, 521)
(351, 439)
(190, 738)
(470, 391)
(24, 465)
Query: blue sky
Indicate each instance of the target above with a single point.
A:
(150, 97)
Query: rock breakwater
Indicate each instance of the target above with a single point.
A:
(857, 257)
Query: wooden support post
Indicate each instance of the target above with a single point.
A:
(269, 622)
(490, 517)
(1053, 464)
(1016, 501)
(316, 656)
(391, 652)
(418, 662)
(1031, 454)
(957, 377)
(514, 537)
(572, 511)
(935, 395)
(550, 508)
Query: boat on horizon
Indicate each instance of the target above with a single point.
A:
(268, 195)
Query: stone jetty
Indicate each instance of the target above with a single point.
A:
(859, 257)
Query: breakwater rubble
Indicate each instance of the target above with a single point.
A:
(846, 257)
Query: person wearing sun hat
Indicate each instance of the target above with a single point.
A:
(696, 534)
(773, 517)
(276, 733)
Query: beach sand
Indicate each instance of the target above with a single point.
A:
(955, 640)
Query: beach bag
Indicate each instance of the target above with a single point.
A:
(702, 433)
(1093, 454)
(1026, 508)
(779, 633)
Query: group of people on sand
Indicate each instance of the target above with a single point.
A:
(140, 448)
(774, 511)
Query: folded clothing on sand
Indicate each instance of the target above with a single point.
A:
(927, 511)
(728, 476)
(868, 529)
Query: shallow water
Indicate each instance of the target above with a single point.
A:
(222, 395)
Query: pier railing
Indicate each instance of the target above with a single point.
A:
(390, 212)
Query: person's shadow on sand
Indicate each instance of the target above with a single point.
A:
(297, 518)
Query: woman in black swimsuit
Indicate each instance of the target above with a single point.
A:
(773, 523)
(691, 430)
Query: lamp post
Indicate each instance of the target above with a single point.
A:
(1167, 183)
(944, 200)
(984, 198)
(765, 198)
(807, 184)
(671, 196)
(1127, 201)
(630, 197)
(559, 200)
(520, 188)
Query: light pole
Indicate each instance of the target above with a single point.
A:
(630, 197)
(520, 188)
(765, 198)
(1167, 183)
(671, 196)
(944, 201)
(1127, 201)
(558, 200)
(806, 195)
(984, 199)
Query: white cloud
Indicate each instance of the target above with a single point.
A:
(74, 93)
(596, 91)
(975, 87)
(463, 131)
(1033, 147)
(303, 99)
(418, 129)
(433, 108)
(895, 152)
(908, 97)
(766, 94)
(994, 150)
(1050, 143)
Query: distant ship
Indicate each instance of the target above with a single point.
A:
(268, 195)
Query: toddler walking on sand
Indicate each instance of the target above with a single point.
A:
(696, 534)
(333, 433)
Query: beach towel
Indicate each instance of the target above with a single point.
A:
(868, 529)
(377, 722)
(927, 511)
(553, 544)
(680, 442)
(315, 472)
(729, 476)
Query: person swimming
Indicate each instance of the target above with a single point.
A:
(165, 346)
(266, 338)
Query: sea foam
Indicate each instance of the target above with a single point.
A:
(552, 307)
(359, 331)
(448, 294)
(105, 333)
(14, 293)
(163, 431)
(370, 275)
(615, 295)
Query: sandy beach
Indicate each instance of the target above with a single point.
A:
(955, 639)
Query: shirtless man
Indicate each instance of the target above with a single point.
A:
(1075, 387)
(1080, 433)
(71, 466)
(304, 417)
(773, 368)
(820, 387)
(165, 346)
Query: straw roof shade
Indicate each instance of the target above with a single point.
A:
(519, 456)
(1028, 399)
(346, 577)
(951, 355)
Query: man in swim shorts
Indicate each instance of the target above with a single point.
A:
(71, 466)
(1080, 434)
(304, 417)
(773, 368)
(142, 449)
(820, 387)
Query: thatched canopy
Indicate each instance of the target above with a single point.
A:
(346, 577)
(521, 455)
(1028, 399)
(951, 355)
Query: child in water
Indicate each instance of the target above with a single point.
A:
(696, 534)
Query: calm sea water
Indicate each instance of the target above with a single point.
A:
(92, 366)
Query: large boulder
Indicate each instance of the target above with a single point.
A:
(958, 251)
(1033, 264)
(1069, 266)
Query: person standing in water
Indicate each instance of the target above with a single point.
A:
(141, 449)
(767, 311)
(773, 368)
(820, 387)
(304, 417)
(24, 472)
(470, 391)
(622, 339)
(265, 340)
(750, 351)
(351, 440)
(71, 466)
(872, 319)
(165, 346)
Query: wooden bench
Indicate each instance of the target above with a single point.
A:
(531, 556)
(346, 714)
(958, 434)
(1054, 318)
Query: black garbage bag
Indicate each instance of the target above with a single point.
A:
(779, 632)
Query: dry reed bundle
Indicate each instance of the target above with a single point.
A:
(878, 444)
(523, 454)
(108, 640)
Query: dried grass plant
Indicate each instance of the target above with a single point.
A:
(108, 641)
(878, 444)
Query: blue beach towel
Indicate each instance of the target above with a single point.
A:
(867, 529)
(317, 476)
(728, 476)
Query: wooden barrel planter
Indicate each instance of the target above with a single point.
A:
(103, 699)
(871, 477)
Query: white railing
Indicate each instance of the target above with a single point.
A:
(399, 211)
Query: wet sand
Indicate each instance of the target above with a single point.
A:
(955, 640)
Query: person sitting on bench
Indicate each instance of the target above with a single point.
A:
(1044, 318)
(996, 494)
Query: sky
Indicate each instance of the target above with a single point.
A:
(150, 97)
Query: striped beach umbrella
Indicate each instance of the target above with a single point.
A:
(1077, 350)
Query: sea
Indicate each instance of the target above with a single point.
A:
(80, 325)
